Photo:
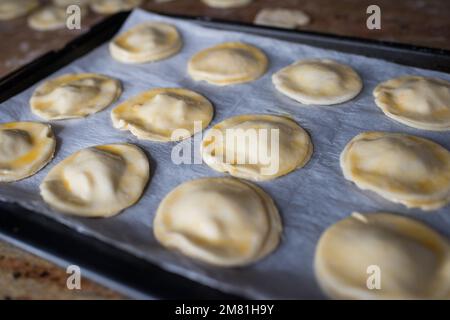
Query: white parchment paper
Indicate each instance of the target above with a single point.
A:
(309, 199)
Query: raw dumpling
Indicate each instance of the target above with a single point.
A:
(418, 102)
(164, 114)
(319, 81)
(411, 260)
(74, 96)
(228, 63)
(225, 4)
(25, 148)
(99, 181)
(11, 9)
(66, 3)
(281, 18)
(49, 18)
(256, 147)
(402, 168)
(146, 42)
(113, 6)
(221, 221)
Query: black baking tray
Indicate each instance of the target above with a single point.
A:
(113, 267)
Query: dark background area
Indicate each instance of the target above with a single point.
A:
(420, 22)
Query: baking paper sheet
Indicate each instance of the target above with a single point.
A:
(309, 199)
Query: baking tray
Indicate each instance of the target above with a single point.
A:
(115, 268)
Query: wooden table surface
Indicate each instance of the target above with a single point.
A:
(419, 22)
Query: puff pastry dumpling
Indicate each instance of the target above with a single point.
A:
(225, 4)
(220, 221)
(164, 114)
(256, 147)
(74, 96)
(228, 63)
(25, 148)
(410, 260)
(146, 42)
(113, 6)
(11, 9)
(66, 3)
(98, 181)
(318, 81)
(281, 18)
(402, 168)
(50, 18)
(419, 102)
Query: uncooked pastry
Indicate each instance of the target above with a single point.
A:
(413, 260)
(98, 181)
(49, 18)
(146, 42)
(66, 3)
(228, 63)
(113, 6)
(11, 9)
(220, 221)
(25, 148)
(402, 168)
(419, 102)
(164, 114)
(246, 147)
(74, 96)
(281, 18)
(318, 81)
(225, 4)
